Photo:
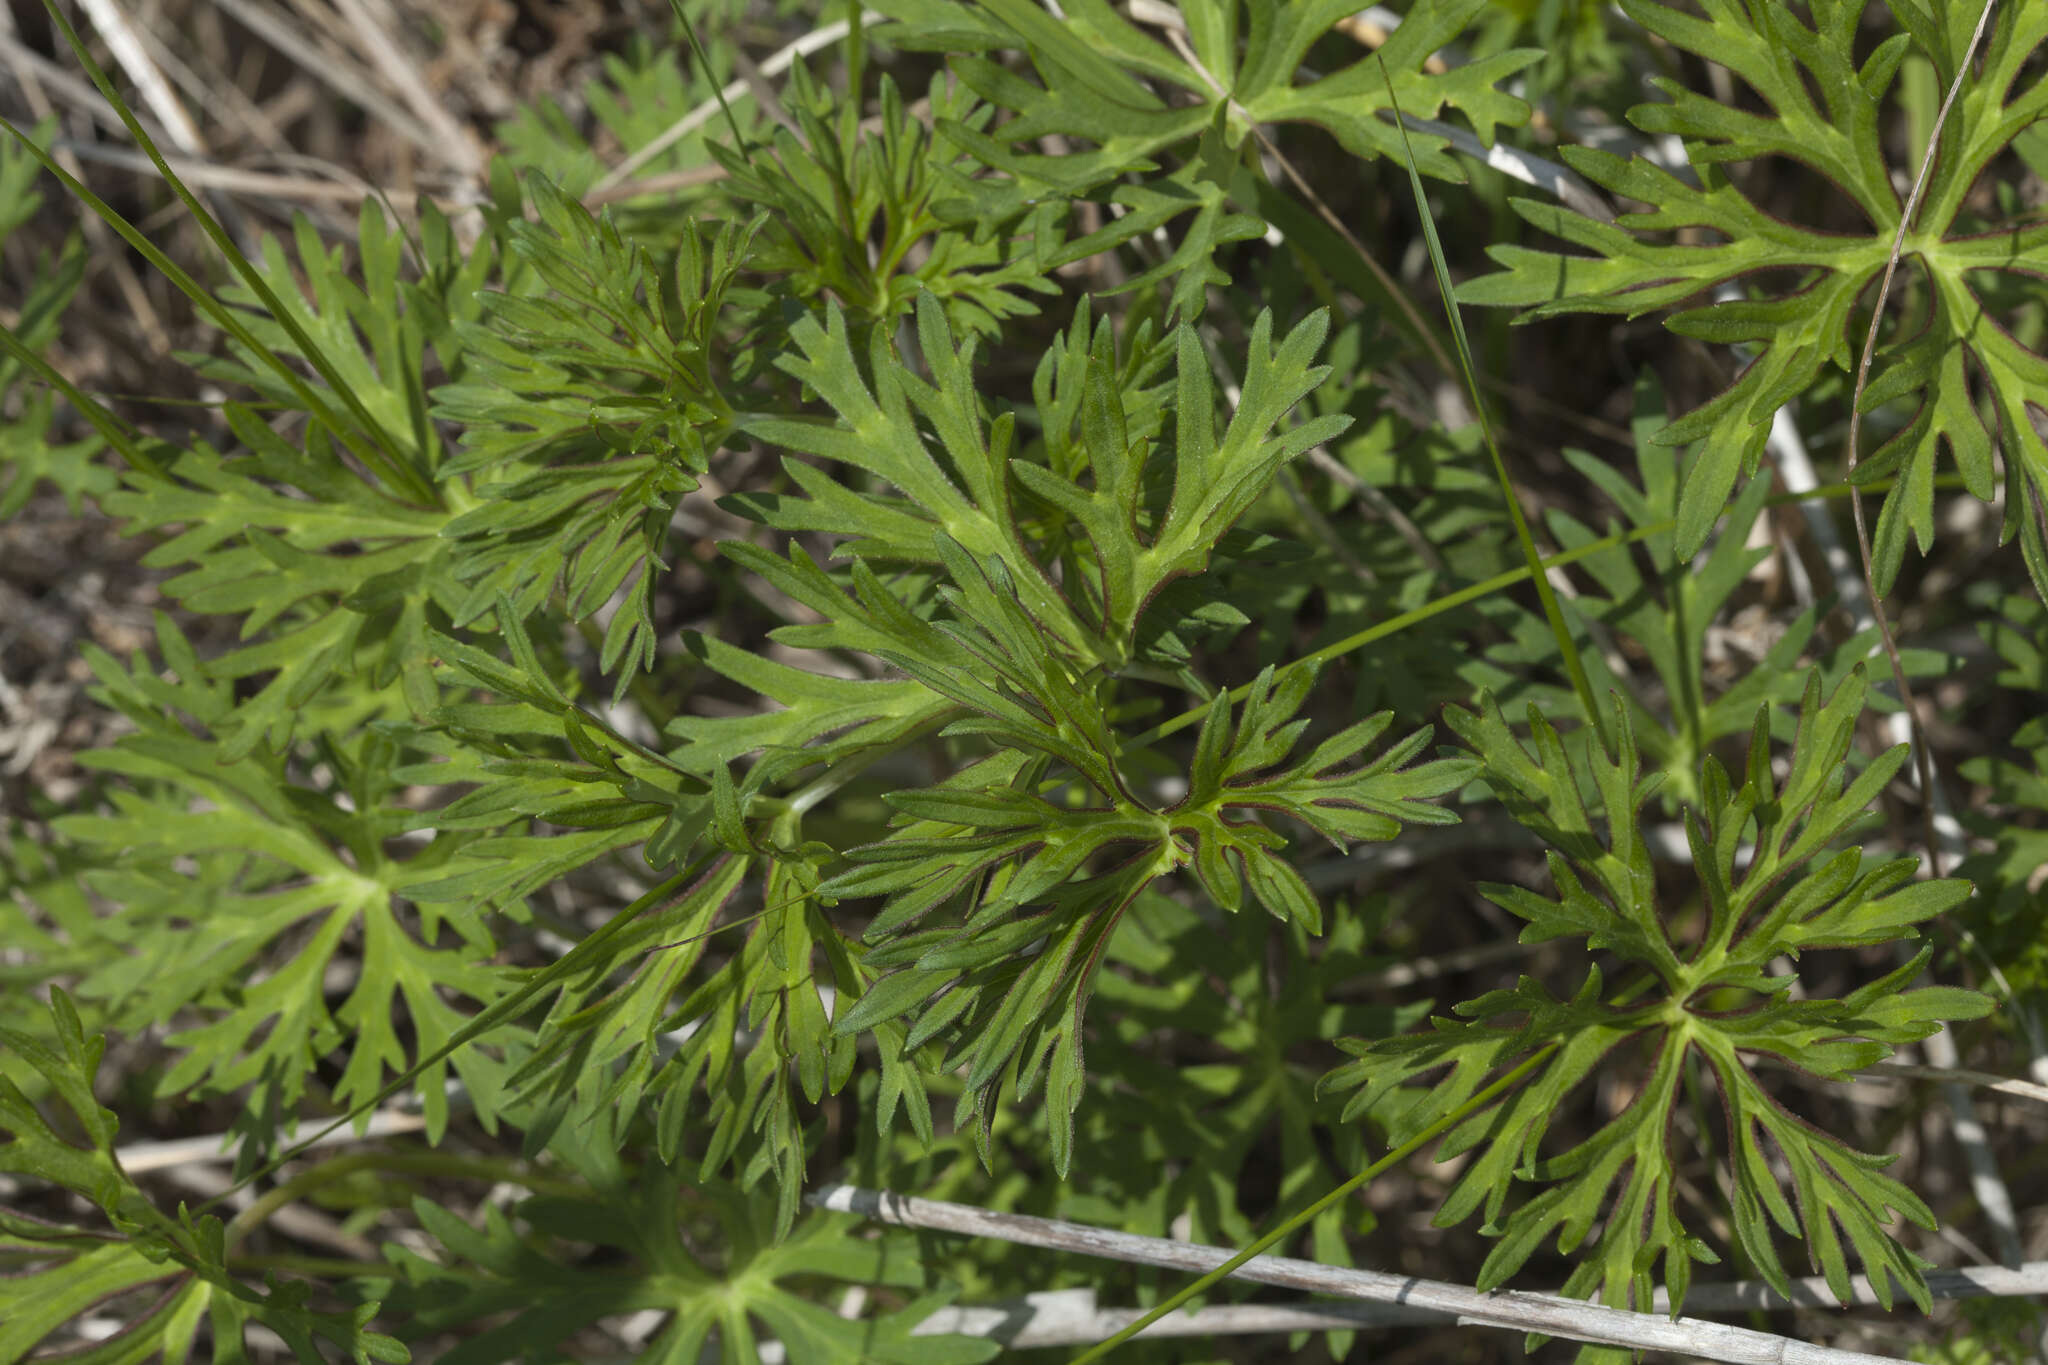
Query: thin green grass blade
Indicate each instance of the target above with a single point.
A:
(112, 429)
(363, 436)
(1574, 666)
(1500, 582)
(739, 139)
(1364, 1177)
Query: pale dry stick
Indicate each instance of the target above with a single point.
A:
(455, 146)
(655, 184)
(124, 41)
(293, 1220)
(319, 21)
(1982, 1080)
(343, 77)
(1511, 1310)
(219, 95)
(127, 50)
(139, 1158)
(207, 175)
(1560, 182)
(1071, 1317)
(776, 63)
(1975, 1282)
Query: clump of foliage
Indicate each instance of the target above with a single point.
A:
(685, 691)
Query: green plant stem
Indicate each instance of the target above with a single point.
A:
(1574, 666)
(362, 435)
(1488, 586)
(1364, 1177)
(111, 429)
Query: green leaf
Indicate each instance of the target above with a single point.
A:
(1118, 99)
(1825, 114)
(1704, 1002)
(151, 1246)
(590, 403)
(263, 860)
(979, 871)
(656, 1233)
(333, 585)
(869, 216)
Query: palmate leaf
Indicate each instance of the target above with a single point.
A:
(855, 213)
(1025, 871)
(371, 325)
(821, 721)
(720, 1060)
(612, 790)
(1100, 483)
(333, 586)
(589, 404)
(335, 579)
(1215, 481)
(1770, 890)
(212, 865)
(655, 1228)
(1669, 612)
(1017, 658)
(1237, 775)
(721, 1056)
(1127, 98)
(877, 433)
(1796, 333)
